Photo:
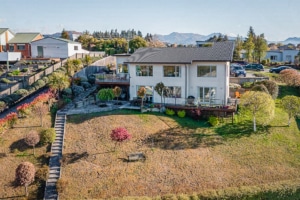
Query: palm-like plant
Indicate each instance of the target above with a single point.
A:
(58, 81)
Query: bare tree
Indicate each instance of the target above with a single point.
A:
(32, 138)
(25, 173)
(40, 109)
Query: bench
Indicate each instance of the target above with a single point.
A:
(136, 157)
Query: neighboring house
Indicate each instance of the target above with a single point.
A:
(5, 36)
(51, 47)
(201, 72)
(21, 42)
(287, 55)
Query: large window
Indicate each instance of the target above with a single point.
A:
(75, 48)
(207, 94)
(172, 71)
(206, 71)
(122, 68)
(21, 46)
(273, 58)
(172, 92)
(144, 70)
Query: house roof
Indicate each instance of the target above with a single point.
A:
(23, 38)
(219, 51)
(60, 39)
(3, 30)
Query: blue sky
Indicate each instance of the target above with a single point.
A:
(277, 19)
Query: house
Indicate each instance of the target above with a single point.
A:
(21, 42)
(5, 36)
(51, 47)
(286, 55)
(200, 72)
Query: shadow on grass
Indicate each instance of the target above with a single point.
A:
(178, 139)
(70, 158)
(18, 145)
(285, 90)
(298, 122)
(238, 130)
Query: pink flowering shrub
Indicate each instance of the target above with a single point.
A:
(11, 119)
(119, 135)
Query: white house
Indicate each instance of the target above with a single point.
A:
(5, 36)
(201, 72)
(287, 55)
(55, 48)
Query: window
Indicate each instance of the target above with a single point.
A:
(172, 71)
(21, 46)
(143, 70)
(75, 48)
(206, 71)
(149, 92)
(11, 48)
(288, 58)
(172, 92)
(207, 94)
(122, 68)
(273, 58)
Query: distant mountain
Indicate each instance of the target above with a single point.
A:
(292, 40)
(186, 38)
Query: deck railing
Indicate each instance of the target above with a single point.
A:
(103, 77)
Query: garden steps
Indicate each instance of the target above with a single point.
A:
(56, 155)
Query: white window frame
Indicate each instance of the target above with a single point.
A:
(210, 73)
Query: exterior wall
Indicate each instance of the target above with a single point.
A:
(51, 48)
(283, 55)
(10, 56)
(26, 53)
(72, 51)
(188, 81)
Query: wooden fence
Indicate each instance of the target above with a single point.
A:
(30, 80)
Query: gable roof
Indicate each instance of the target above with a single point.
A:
(23, 38)
(60, 39)
(3, 30)
(219, 51)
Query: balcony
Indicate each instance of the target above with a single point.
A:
(107, 79)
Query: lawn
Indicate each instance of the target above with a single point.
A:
(183, 156)
(13, 151)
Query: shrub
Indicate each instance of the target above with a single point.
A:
(271, 86)
(181, 113)
(47, 136)
(38, 84)
(11, 119)
(105, 94)
(214, 121)
(77, 89)
(91, 79)
(8, 100)
(45, 79)
(22, 92)
(16, 72)
(260, 87)
(5, 80)
(30, 89)
(170, 112)
(234, 86)
(67, 92)
(24, 70)
(2, 105)
(15, 97)
(10, 74)
(247, 84)
(61, 185)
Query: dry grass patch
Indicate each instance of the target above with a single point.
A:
(13, 151)
(179, 159)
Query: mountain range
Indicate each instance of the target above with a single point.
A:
(191, 38)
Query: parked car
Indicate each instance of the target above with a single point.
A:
(279, 69)
(240, 62)
(237, 70)
(254, 66)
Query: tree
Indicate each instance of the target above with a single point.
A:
(259, 105)
(87, 60)
(260, 47)
(271, 87)
(238, 48)
(25, 173)
(136, 43)
(65, 34)
(141, 93)
(58, 81)
(117, 92)
(77, 65)
(291, 105)
(31, 139)
(159, 88)
(47, 136)
(40, 109)
(119, 135)
(105, 94)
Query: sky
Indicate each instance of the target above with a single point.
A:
(277, 19)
